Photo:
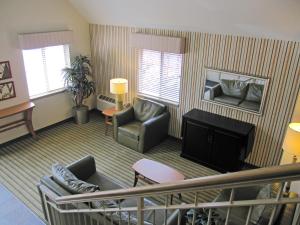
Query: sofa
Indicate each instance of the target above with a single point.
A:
(238, 215)
(85, 170)
(141, 126)
(238, 93)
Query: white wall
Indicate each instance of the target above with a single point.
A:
(262, 18)
(18, 16)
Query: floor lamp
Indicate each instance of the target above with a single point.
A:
(119, 87)
(291, 144)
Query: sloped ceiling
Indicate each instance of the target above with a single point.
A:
(279, 19)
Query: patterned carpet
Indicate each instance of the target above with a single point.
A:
(23, 162)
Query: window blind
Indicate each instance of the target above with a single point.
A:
(159, 75)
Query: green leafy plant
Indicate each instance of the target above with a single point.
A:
(77, 80)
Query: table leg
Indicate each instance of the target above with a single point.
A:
(106, 124)
(28, 120)
(136, 177)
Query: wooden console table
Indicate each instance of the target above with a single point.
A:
(25, 108)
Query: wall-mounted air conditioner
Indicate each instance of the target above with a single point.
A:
(104, 102)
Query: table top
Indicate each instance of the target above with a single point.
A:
(109, 111)
(16, 109)
(157, 172)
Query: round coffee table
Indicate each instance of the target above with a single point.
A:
(108, 113)
(153, 172)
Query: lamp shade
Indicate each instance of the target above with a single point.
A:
(291, 142)
(118, 86)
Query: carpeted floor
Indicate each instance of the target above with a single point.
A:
(23, 162)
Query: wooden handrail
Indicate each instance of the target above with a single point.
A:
(230, 180)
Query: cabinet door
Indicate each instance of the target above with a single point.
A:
(196, 141)
(225, 150)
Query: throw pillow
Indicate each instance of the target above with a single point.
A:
(234, 88)
(70, 182)
(255, 92)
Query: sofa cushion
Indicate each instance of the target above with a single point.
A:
(70, 182)
(146, 109)
(228, 100)
(131, 130)
(255, 92)
(234, 88)
(250, 105)
(105, 182)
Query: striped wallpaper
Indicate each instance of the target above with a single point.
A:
(274, 59)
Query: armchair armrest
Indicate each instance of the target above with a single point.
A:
(121, 118)
(153, 131)
(216, 91)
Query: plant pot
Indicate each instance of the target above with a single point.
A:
(81, 114)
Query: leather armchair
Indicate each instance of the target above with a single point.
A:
(141, 126)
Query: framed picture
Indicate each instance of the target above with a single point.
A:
(5, 71)
(7, 90)
(239, 91)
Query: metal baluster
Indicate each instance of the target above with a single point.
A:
(104, 213)
(153, 217)
(196, 199)
(140, 212)
(249, 215)
(229, 208)
(179, 217)
(278, 197)
(111, 218)
(120, 219)
(209, 217)
(194, 216)
(128, 217)
(166, 210)
(47, 209)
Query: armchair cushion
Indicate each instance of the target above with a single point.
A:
(146, 109)
(131, 129)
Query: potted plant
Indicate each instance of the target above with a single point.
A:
(78, 82)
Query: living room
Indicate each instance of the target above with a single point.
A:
(263, 44)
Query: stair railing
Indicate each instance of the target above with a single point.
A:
(64, 210)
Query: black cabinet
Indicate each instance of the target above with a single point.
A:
(215, 141)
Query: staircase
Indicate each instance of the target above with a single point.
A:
(81, 208)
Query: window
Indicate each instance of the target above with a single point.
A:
(159, 75)
(43, 67)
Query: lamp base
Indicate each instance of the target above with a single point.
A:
(288, 184)
(119, 102)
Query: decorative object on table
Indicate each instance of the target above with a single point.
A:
(291, 144)
(235, 90)
(201, 217)
(119, 87)
(78, 83)
(5, 71)
(7, 90)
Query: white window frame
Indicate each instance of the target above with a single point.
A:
(159, 99)
(49, 91)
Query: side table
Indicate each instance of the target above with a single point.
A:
(108, 114)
